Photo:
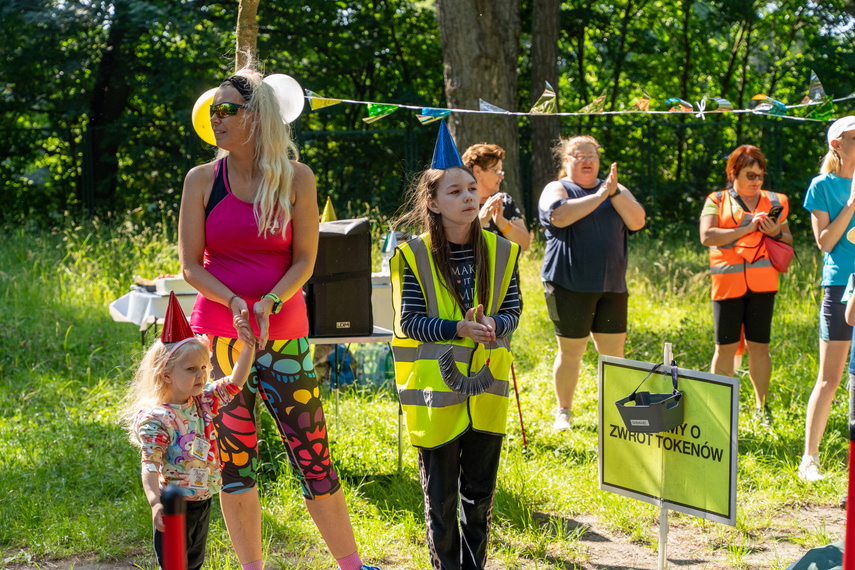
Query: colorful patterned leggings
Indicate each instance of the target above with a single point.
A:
(286, 377)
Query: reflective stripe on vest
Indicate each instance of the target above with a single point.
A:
(434, 414)
(724, 269)
(741, 265)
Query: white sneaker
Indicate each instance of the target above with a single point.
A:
(563, 419)
(809, 469)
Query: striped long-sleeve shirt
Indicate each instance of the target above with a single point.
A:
(418, 326)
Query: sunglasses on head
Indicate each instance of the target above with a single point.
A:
(223, 110)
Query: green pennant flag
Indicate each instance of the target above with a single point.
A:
(377, 111)
(822, 111)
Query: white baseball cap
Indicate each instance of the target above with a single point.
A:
(840, 126)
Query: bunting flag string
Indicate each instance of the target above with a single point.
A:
(820, 106)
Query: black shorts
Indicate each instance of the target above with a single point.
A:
(576, 315)
(753, 310)
(832, 315)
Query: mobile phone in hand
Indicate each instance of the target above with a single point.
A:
(775, 212)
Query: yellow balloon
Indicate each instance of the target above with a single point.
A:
(202, 117)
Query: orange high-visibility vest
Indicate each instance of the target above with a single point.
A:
(744, 264)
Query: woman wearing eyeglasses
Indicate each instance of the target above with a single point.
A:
(247, 240)
(586, 221)
(499, 213)
(744, 282)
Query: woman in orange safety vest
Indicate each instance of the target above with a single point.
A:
(733, 224)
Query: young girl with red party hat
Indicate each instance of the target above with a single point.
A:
(171, 404)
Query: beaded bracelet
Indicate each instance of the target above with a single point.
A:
(232, 298)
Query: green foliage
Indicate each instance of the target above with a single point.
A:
(68, 145)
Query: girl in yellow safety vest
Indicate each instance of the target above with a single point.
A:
(454, 288)
(744, 282)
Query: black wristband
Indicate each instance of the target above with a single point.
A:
(779, 236)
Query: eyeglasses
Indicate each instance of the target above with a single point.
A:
(496, 170)
(586, 157)
(752, 176)
(223, 110)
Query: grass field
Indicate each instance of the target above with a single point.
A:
(69, 480)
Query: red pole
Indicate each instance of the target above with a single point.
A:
(519, 409)
(174, 541)
(849, 545)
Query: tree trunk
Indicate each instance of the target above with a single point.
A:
(246, 33)
(684, 79)
(110, 96)
(545, 28)
(480, 47)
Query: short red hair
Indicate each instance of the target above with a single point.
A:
(742, 157)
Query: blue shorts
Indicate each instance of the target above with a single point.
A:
(832, 315)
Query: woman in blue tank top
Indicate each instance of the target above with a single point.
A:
(586, 221)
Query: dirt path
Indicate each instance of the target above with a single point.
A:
(689, 546)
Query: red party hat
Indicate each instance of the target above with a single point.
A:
(175, 325)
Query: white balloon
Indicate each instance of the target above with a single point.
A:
(290, 95)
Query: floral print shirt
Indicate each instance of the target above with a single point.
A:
(167, 433)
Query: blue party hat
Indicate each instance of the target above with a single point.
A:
(445, 153)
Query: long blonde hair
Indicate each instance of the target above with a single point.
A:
(565, 147)
(148, 388)
(274, 151)
(831, 162)
(418, 215)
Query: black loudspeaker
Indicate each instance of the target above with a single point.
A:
(338, 295)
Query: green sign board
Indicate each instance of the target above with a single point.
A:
(692, 467)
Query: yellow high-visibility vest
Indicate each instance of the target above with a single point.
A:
(434, 413)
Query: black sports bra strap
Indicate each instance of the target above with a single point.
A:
(218, 191)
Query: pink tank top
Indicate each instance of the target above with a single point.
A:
(248, 264)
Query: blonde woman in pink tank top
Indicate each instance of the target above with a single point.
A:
(247, 239)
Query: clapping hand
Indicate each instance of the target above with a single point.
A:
(477, 326)
(493, 206)
(610, 186)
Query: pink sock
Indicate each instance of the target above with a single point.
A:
(257, 565)
(352, 562)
